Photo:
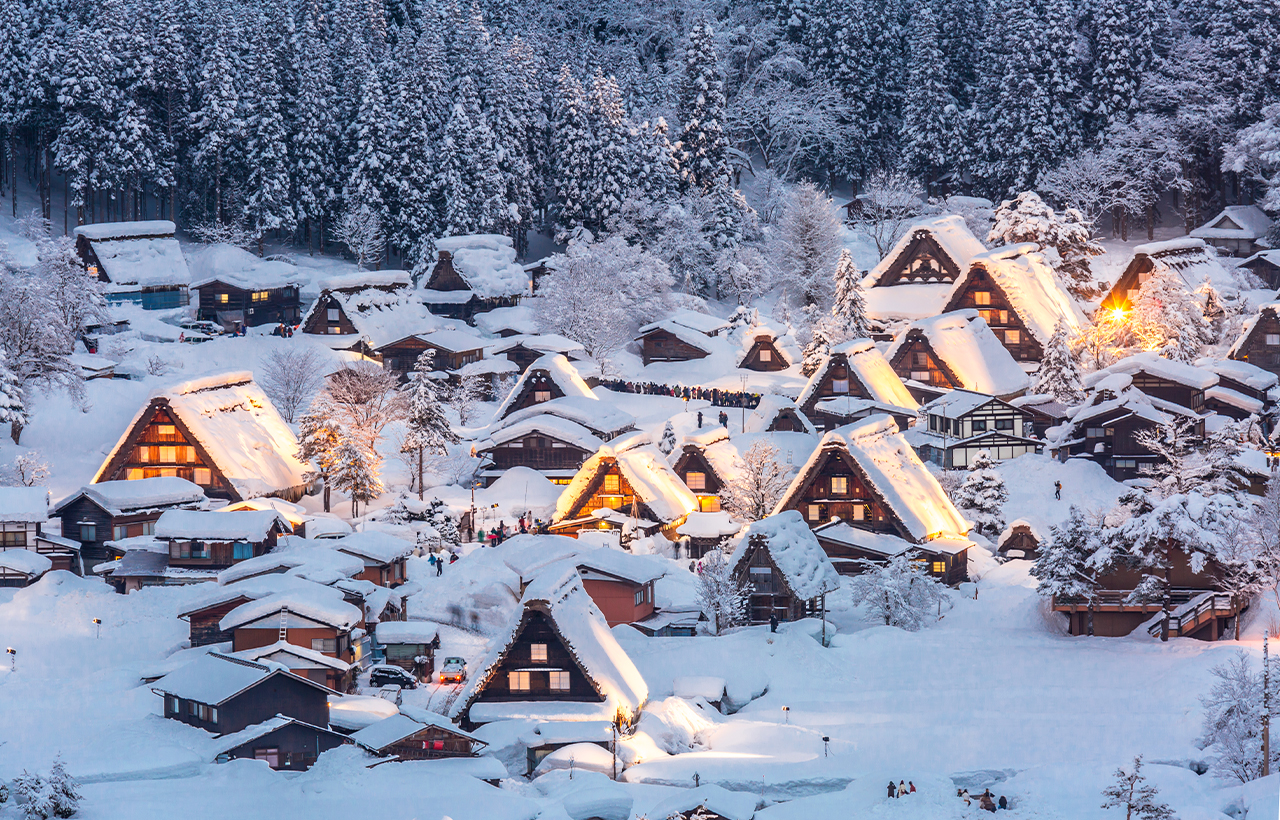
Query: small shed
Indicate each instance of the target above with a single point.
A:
(424, 736)
(140, 262)
(1237, 230)
(283, 743)
(777, 414)
(1020, 539)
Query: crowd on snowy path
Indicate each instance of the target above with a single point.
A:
(903, 788)
(986, 801)
(717, 397)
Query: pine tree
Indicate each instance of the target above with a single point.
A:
(429, 431)
(215, 122)
(1062, 567)
(668, 441)
(1132, 793)
(1059, 375)
(1028, 218)
(657, 168)
(611, 152)
(65, 791)
(312, 143)
(266, 150)
(850, 308)
(573, 169)
(516, 119)
(816, 351)
(357, 473)
(1116, 64)
(318, 440)
(369, 137)
(705, 147)
(469, 175)
(13, 405)
(929, 111)
(982, 494)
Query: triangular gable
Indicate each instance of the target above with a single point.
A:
(904, 361)
(444, 276)
(291, 621)
(939, 249)
(794, 499)
(750, 360)
(693, 459)
(158, 411)
(1226, 223)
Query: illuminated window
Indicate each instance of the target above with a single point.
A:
(541, 395)
(144, 454)
(766, 355)
(839, 485)
(518, 681)
(920, 375)
(168, 455)
(815, 512)
(1012, 337)
(1273, 338)
(260, 295)
(839, 385)
(939, 567)
(134, 474)
(559, 680)
(1004, 317)
(223, 298)
(166, 430)
(202, 476)
(538, 652)
(981, 297)
(709, 503)
(859, 512)
(611, 483)
(335, 330)
(696, 481)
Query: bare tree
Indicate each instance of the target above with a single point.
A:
(226, 233)
(360, 230)
(291, 376)
(466, 397)
(757, 485)
(1263, 533)
(366, 399)
(889, 201)
(722, 594)
(900, 592)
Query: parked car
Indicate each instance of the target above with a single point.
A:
(454, 670)
(385, 675)
(203, 326)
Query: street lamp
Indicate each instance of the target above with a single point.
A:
(97, 622)
(826, 746)
(786, 714)
(743, 400)
(13, 659)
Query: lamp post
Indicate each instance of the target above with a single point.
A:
(743, 400)
(97, 622)
(786, 714)
(13, 659)
(826, 746)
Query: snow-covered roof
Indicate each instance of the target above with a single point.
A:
(317, 603)
(371, 545)
(895, 472)
(295, 514)
(282, 652)
(144, 254)
(215, 678)
(956, 403)
(870, 367)
(1035, 528)
(1189, 257)
(795, 552)
(546, 424)
(907, 302)
(225, 743)
(716, 799)
(542, 342)
(561, 597)
(850, 407)
(379, 317)
(950, 232)
(117, 497)
(24, 504)
(454, 341)
(382, 734)
(1032, 287)
(638, 568)
(1152, 364)
(26, 561)
(239, 268)
(318, 563)
(689, 336)
(389, 632)
(708, 525)
(702, 322)
(771, 404)
(1235, 222)
(487, 263)
(561, 372)
(241, 525)
(1243, 372)
(367, 279)
(784, 343)
(881, 543)
(1251, 324)
(591, 413)
(966, 346)
(519, 319)
(646, 469)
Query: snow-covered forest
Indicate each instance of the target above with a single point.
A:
(281, 118)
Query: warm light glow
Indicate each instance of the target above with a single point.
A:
(1117, 314)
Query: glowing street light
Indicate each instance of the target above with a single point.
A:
(97, 622)
(786, 714)
(13, 659)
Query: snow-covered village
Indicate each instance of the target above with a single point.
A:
(683, 410)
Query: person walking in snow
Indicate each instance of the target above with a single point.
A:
(902, 788)
(1057, 490)
(773, 622)
(699, 419)
(911, 786)
(724, 419)
(893, 790)
(439, 565)
(1004, 802)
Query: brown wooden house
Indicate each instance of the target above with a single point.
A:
(1188, 257)
(317, 619)
(284, 744)
(617, 486)
(24, 511)
(1266, 266)
(668, 341)
(426, 736)
(931, 252)
(115, 510)
(856, 369)
(474, 274)
(216, 540)
(1020, 539)
(305, 662)
(221, 433)
(523, 350)
(784, 567)
(550, 377)
(867, 477)
(701, 470)
(385, 557)
(763, 350)
(777, 414)
(204, 616)
(1237, 230)
(453, 350)
(961, 424)
(1018, 294)
(1259, 342)
(557, 661)
(139, 262)
(549, 444)
(620, 584)
(229, 300)
(224, 694)
(956, 350)
(21, 567)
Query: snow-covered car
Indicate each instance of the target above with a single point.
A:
(454, 670)
(391, 694)
(385, 674)
(203, 326)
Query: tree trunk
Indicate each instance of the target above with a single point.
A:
(15, 431)
(1089, 628)
(419, 473)
(1151, 223)
(1167, 592)
(326, 495)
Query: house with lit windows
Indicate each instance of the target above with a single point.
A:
(915, 278)
(237, 287)
(1259, 341)
(116, 510)
(556, 661)
(956, 350)
(138, 262)
(1188, 257)
(867, 495)
(960, 424)
(856, 370)
(364, 313)
(26, 552)
(784, 569)
(705, 462)
(765, 350)
(551, 377)
(221, 433)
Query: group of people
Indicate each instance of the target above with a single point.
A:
(283, 331)
(902, 789)
(438, 561)
(719, 398)
(986, 801)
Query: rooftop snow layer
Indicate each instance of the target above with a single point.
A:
(487, 263)
(380, 735)
(1032, 287)
(771, 404)
(144, 254)
(28, 562)
(24, 504)
(646, 470)
(872, 370)
(708, 525)
(124, 230)
(214, 678)
(317, 603)
(1153, 365)
(241, 525)
(547, 424)
(239, 268)
(117, 497)
(375, 546)
(968, 347)
(367, 279)
(1247, 374)
(1250, 222)
(795, 552)
(560, 371)
(389, 632)
(302, 657)
(950, 232)
(591, 413)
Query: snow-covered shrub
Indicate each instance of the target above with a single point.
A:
(899, 593)
(723, 596)
(1135, 796)
(1232, 726)
(757, 483)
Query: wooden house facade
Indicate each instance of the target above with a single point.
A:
(785, 570)
(222, 695)
(161, 444)
(962, 424)
(115, 510)
(933, 252)
(668, 342)
(858, 370)
(205, 617)
(763, 353)
(603, 494)
(265, 622)
(1266, 266)
(410, 645)
(699, 474)
(284, 744)
(432, 738)
(983, 294)
(1259, 342)
(956, 350)
(227, 302)
(139, 262)
(1106, 430)
(1020, 539)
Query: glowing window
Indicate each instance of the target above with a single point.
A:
(696, 481)
(202, 476)
(981, 297)
(144, 454)
(859, 512)
(611, 483)
(541, 395)
(134, 474)
(766, 355)
(518, 681)
(223, 298)
(559, 680)
(166, 430)
(1012, 337)
(260, 295)
(168, 455)
(538, 652)
(939, 567)
(839, 485)
(815, 512)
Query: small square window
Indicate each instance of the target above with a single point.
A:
(839, 485)
(695, 481)
(540, 396)
(840, 386)
(859, 512)
(1012, 337)
(88, 532)
(766, 355)
(979, 426)
(559, 680)
(981, 297)
(202, 476)
(939, 567)
(1004, 424)
(518, 681)
(611, 483)
(334, 314)
(166, 430)
(815, 512)
(223, 298)
(1273, 338)
(538, 652)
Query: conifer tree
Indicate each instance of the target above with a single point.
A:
(266, 150)
(469, 176)
(702, 108)
(215, 121)
(318, 440)
(1059, 375)
(668, 441)
(657, 168)
(312, 143)
(929, 111)
(357, 473)
(982, 494)
(1063, 567)
(610, 180)
(850, 308)
(1116, 64)
(369, 162)
(429, 431)
(573, 169)
(1168, 318)
(1135, 796)
(514, 118)
(13, 405)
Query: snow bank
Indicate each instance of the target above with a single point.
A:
(24, 504)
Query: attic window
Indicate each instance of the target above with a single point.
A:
(559, 680)
(839, 485)
(611, 483)
(766, 355)
(518, 681)
(333, 314)
(166, 430)
(920, 375)
(840, 385)
(1273, 338)
(859, 512)
(538, 652)
(981, 297)
(695, 481)
(1012, 337)
(541, 395)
